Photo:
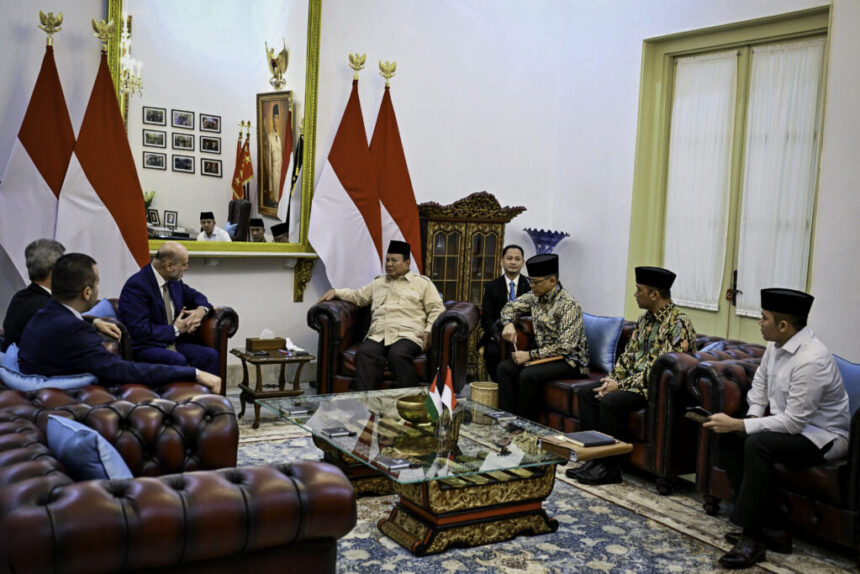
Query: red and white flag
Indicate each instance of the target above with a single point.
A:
(34, 175)
(286, 169)
(345, 227)
(101, 210)
(437, 399)
(399, 210)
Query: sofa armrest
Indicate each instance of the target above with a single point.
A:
(174, 521)
(338, 325)
(449, 339)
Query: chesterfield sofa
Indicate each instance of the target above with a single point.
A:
(188, 509)
(342, 327)
(664, 440)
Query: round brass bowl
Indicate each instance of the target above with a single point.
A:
(413, 409)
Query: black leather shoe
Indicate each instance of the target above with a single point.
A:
(600, 474)
(776, 540)
(574, 472)
(746, 553)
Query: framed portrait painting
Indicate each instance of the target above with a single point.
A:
(154, 116)
(210, 167)
(152, 217)
(210, 123)
(170, 219)
(154, 138)
(154, 160)
(182, 119)
(183, 141)
(274, 121)
(210, 144)
(183, 163)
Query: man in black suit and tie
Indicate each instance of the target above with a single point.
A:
(496, 293)
(57, 341)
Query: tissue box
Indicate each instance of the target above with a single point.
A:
(257, 344)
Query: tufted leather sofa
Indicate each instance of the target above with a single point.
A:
(342, 327)
(187, 510)
(822, 501)
(664, 440)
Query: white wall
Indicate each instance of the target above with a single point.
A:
(535, 102)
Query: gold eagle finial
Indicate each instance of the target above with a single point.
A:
(103, 31)
(356, 62)
(387, 71)
(50, 24)
(277, 65)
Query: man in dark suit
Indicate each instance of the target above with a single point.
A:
(57, 341)
(496, 293)
(162, 313)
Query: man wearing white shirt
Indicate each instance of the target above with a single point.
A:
(496, 294)
(210, 231)
(807, 422)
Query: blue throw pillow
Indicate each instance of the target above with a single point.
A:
(19, 382)
(84, 452)
(602, 334)
(230, 228)
(103, 309)
(10, 359)
(851, 378)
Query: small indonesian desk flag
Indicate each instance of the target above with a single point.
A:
(435, 401)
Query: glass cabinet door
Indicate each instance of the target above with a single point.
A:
(445, 262)
(484, 265)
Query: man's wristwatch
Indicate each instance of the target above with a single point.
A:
(176, 332)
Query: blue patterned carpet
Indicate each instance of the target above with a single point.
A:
(639, 531)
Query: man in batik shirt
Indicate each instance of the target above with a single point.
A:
(663, 328)
(559, 336)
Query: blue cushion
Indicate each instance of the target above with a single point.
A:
(230, 228)
(102, 309)
(19, 382)
(84, 452)
(719, 345)
(851, 378)
(602, 334)
(10, 359)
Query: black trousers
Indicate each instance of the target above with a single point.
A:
(492, 357)
(749, 463)
(370, 362)
(609, 414)
(520, 387)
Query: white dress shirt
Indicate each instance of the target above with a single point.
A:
(218, 234)
(804, 390)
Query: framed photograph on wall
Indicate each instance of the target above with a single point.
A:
(152, 217)
(154, 160)
(170, 218)
(183, 163)
(183, 141)
(210, 123)
(210, 144)
(273, 110)
(182, 119)
(210, 167)
(154, 138)
(154, 116)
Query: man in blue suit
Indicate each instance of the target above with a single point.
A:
(57, 341)
(162, 313)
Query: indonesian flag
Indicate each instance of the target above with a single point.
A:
(236, 183)
(287, 154)
(101, 209)
(291, 201)
(436, 401)
(345, 227)
(36, 169)
(399, 210)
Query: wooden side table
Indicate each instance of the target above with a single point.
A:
(270, 358)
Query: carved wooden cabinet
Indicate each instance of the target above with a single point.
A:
(463, 245)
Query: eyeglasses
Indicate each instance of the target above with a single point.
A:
(534, 282)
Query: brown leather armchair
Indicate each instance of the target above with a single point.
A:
(342, 326)
(822, 501)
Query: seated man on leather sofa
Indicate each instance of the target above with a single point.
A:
(57, 341)
(663, 328)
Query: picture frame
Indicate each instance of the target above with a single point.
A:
(154, 138)
(183, 163)
(269, 152)
(183, 141)
(152, 217)
(170, 219)
(210, 123)
(210, 144)
(210, 167)
(182, 119)
(154, 116)
(154, 160)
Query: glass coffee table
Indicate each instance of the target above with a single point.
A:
(478, 479)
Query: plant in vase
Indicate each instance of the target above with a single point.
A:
(148, 196)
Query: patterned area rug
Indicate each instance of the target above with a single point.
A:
(626, 527)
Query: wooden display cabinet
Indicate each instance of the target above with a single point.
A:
(463, 245)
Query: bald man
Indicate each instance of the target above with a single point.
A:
(162, 313)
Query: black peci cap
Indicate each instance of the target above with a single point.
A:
(256, 222)
(788, 301)
(656, 277)
(207, 215)
(400, 247)
(542, 265)
(280, 229)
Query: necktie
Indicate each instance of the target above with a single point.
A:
(168, 308)
(513, 292)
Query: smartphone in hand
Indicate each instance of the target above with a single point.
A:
(698, 414)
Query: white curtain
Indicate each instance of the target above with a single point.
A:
(699, 176)
(780, 168)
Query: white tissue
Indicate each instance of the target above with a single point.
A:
(267, 334)
(291, 347)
